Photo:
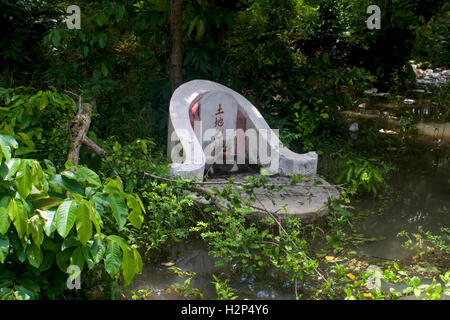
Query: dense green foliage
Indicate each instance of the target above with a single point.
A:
(50, 221)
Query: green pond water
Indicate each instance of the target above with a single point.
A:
(418, 195)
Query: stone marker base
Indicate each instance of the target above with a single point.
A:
(306, 199)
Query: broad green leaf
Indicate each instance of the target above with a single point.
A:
(73, 175)
(69, 164)
(50, 224)
(88, 258)
(113, 185)
(18, 215)
(200, 29)
(23, 179)
(56, 37)
(137, 261)
(89, 175)
(44, 99)
(119, 240)
(47, 202)
(7, 143)
(119, 13)
(83, 223)
(23, 293)
(4, 247)
(34, 255)
(192, 25)
(50, 166)
(78, 258)
(65, 217)
(96, 220)
(13, 166)
(36, 229)
(104, 69)
(113, 259)
(119, 208)
(135, 217)
(140, 202)
(100, 18)
(70, 242)
(47, 262)
(85, 51)
(37, 175)
(102, 37)
(98, 249)
(128, 266)
(131, 264)
(59, 183)
(4, 218)
(26, 140)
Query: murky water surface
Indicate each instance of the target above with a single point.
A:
(419, 196)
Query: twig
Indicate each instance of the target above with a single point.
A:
(280, 226)
(213, 196)
(79, 98)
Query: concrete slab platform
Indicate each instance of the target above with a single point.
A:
(306, 199)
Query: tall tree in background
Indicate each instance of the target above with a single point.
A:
(176, 55)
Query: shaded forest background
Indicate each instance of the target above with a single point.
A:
(286, 57)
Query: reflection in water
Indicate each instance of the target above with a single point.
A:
(193, 256)
(422, 199)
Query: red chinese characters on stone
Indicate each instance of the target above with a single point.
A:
(219, 120)
(219, 111)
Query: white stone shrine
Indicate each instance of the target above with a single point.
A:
(208, 120)
(201, 109)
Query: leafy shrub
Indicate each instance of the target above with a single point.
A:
(362, 176)
(170, 211)
(49, 221)
(169, 216)
(39, 121)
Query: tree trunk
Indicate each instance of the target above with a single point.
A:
(81, 124)
(176, 56)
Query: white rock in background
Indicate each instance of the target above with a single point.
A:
(371, 91)
(436, 75)
(424, 81)
(353, 127)
(362, 106)
(409, 101)
(388, 132)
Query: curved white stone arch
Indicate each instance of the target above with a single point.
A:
(193, 164)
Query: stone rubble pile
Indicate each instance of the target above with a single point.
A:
(429, 77)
